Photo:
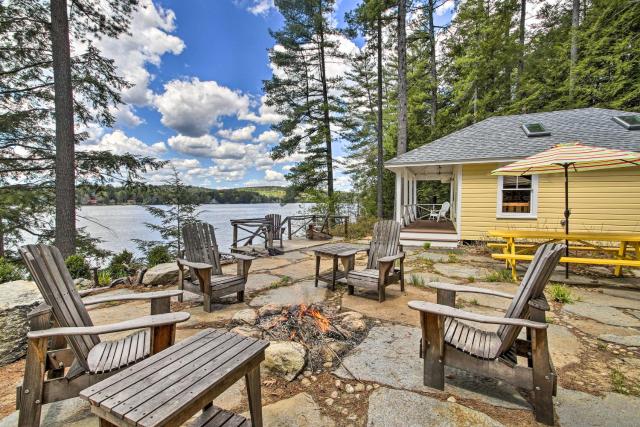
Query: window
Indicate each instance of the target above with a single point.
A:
(535, 129)
(517, 196)
(631, 122)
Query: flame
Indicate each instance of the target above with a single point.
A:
(320, 320)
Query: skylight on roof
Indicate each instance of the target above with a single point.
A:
(631, 122)
(535, 129)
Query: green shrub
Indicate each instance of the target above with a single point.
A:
(560, 293)
(78, 267)
(471, 279)
(499, 276)
(117, 267)
(360, 229)
(104, 278)
(9, 271)
(426, 246)
(158, 255)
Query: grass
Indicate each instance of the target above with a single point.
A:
(453, 258)
(560, 293)
(471, 279)
(104, 278)
(417, 281)
(284, 281)
(499, 276)
(622, 384)
(474, 302)
(426, 246)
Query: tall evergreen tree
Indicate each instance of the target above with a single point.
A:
(402, 75)
(304, 94)
(28, 110)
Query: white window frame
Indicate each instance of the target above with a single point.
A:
(534, 201)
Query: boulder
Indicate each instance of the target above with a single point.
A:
(270, 310)
(248, 316)
(353, 322)
(18, 299)
(247, 331)
(285, 359)
(161, 274)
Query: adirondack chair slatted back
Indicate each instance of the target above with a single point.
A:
(384, 242)
(200, 245)
(532, 286)
(444, 209)
(47, 267)
(276, 224)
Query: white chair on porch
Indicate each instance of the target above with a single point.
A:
(440, 213)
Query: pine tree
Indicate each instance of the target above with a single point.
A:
(182, 209)
(303, 92)
(27, 112)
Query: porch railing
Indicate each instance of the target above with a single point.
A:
(416, 211)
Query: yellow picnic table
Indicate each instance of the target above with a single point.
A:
(617, 246)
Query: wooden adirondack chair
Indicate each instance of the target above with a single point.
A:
(448, 340)
(88, 358)
(384, 250)
(277, 229)
(202, 258)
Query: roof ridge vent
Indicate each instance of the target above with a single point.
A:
(534, 130)
(628, 121)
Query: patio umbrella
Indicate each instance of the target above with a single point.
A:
(572, 156)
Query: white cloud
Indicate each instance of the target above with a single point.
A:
(272, 176)
(445, 7)
(268, 137)
(242, 134)
(192, 107)
(260, 7)
(148, 40)
(125, 116)
(118, 142)
(207, 146)
(267, 115)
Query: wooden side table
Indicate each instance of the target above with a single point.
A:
(344, 252)
(170, 387)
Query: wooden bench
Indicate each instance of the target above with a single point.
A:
(574, 260)
(533, 247)
(170, 387)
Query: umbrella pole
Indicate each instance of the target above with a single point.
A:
(566, 216)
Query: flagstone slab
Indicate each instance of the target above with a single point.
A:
(300, 270)
(399, 408)
(298, 411)
(295, 256)
(623, 293)
(564, 346)
(299, 293)
(575, 408)
(602, 314)
(601, 298)
(594, 328)
(268, 263)
(389, 356)
(629, 341)
(434, 256)
(260, 281)
(463, 271)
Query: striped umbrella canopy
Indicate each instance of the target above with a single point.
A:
(572, 156)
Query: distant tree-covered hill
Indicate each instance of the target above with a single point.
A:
(159, 194)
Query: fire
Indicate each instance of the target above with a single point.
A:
(320, 320)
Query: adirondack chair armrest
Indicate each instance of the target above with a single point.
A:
(444, 310)
(468, 289)
(195, 265)
(139, 323)
(391, 258)
(132, 297)
(540, 303)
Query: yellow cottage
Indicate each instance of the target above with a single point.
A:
(601, 201)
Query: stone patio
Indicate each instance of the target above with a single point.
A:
(594, 341)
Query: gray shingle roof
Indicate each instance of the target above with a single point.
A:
(502, 137)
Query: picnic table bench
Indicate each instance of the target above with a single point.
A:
(170, 387)
(620, 249)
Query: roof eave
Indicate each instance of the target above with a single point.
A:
(452, 162)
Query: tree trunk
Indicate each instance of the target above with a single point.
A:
(1, 243)
(65, 236)
(402, 77)
(326, 118)
(523, 16)
(575, 21)
(434, 71)
(380, 210)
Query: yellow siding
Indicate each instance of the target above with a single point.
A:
(605, 201)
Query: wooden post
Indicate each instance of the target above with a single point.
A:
(31, 396)
(289, 228)
(346, 227)
(161, 305)
(446, 297)
(543, 378)
(433, 350)
(162, 337)
(252, 379)
(317, 269)
(180, 280)
(234, 244)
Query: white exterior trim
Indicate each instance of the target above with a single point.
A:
(453, 162)
(458, 172)
(534, 201)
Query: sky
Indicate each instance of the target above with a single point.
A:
(196, 69)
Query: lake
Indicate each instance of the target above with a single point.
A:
(118, 225)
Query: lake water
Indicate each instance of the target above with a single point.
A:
(118, 225)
